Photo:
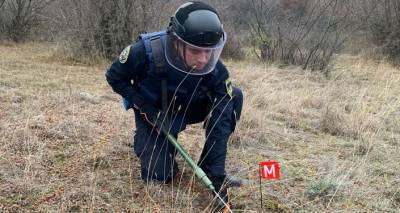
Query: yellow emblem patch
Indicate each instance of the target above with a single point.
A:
(123, 57)
(229, 89)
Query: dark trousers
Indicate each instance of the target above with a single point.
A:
(157, 154)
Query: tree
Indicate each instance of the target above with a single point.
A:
(384, 27)
(21, 16)
(305, 33)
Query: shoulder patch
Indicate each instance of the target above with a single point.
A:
(123, 57)
(229, 89)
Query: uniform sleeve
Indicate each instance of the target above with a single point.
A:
(220, 119)
(130, 65)
(221, 123)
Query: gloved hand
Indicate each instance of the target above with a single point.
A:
(222, 190)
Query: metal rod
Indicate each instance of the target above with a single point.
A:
(197, 170)
(222, 200)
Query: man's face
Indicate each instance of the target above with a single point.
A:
(194, 57)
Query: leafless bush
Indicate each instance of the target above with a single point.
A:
(19, 17)
(2, 24)
(305, 33)
(233, 47)
(233, 14)
(384, 26)
(102, 28)
(96, 28)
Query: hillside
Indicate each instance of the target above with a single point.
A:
(65, 139)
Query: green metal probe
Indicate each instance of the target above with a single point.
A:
(197, 170)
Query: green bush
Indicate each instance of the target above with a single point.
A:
(323, 189)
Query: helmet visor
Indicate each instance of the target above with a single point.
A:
(192, 59)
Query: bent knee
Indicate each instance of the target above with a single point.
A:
(237, 93)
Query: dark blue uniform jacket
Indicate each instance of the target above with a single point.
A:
(133, 80)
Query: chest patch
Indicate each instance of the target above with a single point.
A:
(123, 57)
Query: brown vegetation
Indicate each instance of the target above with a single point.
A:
(291, 32)
(65, 139)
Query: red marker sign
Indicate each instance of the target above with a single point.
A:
(270, 170)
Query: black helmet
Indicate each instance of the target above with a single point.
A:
(195, 25)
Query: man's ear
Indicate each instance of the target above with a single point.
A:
(180, 48)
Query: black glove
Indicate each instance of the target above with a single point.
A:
(222, 190)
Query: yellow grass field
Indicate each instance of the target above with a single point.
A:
(65, 140)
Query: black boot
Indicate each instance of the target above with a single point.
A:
(232, 181)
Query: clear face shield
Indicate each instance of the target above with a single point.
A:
(192, 59)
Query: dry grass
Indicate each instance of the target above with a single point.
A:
(65, 140)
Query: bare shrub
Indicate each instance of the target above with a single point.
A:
(305, 33)
(20, 17)
(96, 28)
(233, 14)
(233, 47)
(332, 122)
(102, 28)
(384, 27)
